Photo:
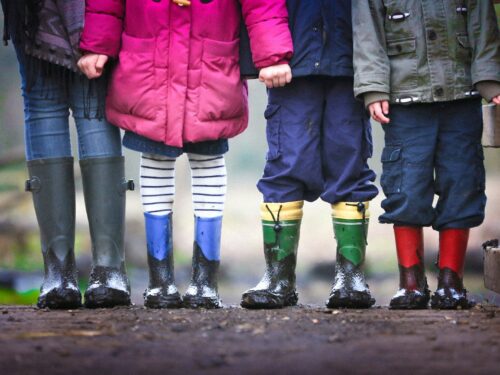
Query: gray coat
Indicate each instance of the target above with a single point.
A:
(424, 50)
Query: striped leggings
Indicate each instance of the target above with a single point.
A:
(208, 181)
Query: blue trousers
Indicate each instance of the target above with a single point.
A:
(434, 149)
(319, 140)
(46, 112)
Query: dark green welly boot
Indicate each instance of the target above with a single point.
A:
(281, 229)
(53, 187)
(161, 292)
(104, 188)
(350, 224)
(203, 290)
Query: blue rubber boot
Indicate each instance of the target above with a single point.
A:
(203, 290)
(161, 292)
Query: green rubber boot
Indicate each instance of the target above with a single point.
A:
(350, 225)
(52, 184)
(104, 188)
(281, 229)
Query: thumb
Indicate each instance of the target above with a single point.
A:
(101, 61)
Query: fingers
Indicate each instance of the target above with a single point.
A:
(496, 100)
(276, 76)
(92, 65)
(385, 107)
(377, 112)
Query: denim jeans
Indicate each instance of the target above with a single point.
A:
(434, 149)
(46, 112)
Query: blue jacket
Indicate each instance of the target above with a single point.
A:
(322, 39)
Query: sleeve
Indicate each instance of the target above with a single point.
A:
(371, 64)
(103, 26)
(482, 28)
(270, 37)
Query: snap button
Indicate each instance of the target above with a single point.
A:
(432, 35)
(439, 91)
(316, 64)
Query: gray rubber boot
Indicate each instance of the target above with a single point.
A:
(53, 187)
(104, 187)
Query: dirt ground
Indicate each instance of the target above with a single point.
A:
(299, 340)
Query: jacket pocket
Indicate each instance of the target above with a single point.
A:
(403, 62)
(463, 61)
(133, 83)
(221, 89)
(392, 173)
(273, 127)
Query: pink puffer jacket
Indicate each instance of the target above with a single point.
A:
(177, 79)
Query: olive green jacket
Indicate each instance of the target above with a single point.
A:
(410, 51)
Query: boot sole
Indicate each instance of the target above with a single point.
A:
(60, 299)
(266, 300)
(103, 297)
(171, 301)
(351, 300)
(196, 302)
(409, 303)
(440, 303)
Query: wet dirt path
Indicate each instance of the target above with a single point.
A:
(301, 340)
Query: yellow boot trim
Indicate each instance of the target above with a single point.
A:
(349, 211)
(289, 211)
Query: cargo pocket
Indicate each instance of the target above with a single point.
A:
(391, 180)
(273, 117)
(480, 172)
(403, 63)
(221, 89)
(134, 79)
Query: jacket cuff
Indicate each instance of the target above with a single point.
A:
(374, 96)
(488, 89)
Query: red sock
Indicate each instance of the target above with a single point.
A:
(452, 247)
(409, 245)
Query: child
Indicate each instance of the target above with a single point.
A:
(46, 36)
(427, 58)
(177, 89)
(319, 140)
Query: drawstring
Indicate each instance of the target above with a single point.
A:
(277, 226)
(361, 207)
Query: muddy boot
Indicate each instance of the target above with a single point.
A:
(53, 187)
(161, 292)
(281, 230)
(203, 290)
(350, 224)
(413, 291)
(104, 188)
(450, 293)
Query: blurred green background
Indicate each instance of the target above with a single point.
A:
(21, 266)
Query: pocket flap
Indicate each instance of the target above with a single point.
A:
(391, 154)
(463, 40)
(399, 47)
(271, 110)
(220, 48)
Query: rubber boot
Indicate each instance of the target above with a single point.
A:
(450, 293)
(203, 290)
(281, 230)
(413, 290)
(161, 292)
(104, 188)
(53, 187)
(350, 225)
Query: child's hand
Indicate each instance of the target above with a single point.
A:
(92, 65)
(379, 111)
(496, 100)
(276, 75)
